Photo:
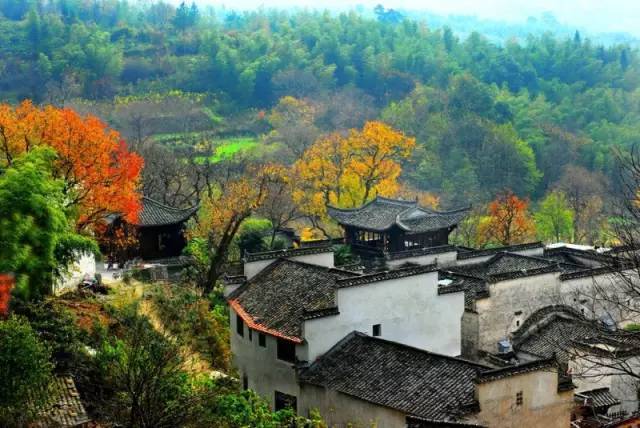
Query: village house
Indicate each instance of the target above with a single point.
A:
(605, 390)
(295, 311)
(159, 230)
(378, 346)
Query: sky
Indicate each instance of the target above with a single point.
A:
(595, 15)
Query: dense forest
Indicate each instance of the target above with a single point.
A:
(531, 116)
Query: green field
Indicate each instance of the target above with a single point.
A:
(228, 147)
(231, 146)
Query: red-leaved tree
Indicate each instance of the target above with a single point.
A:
(101, 175)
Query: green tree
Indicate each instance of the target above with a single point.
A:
(37, 235)
(554, 218)
(145, 370)
(25, 371)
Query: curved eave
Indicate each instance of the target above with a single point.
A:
(251, 323)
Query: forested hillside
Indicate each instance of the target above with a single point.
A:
(530, 115)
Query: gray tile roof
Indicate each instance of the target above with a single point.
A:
(287, 252)
(282, 295)
(506, 265)
(382, 214)
(386, 275)
(417, 252)
(503, 372)
(553, 335)
(411, 380)
(556, 331)
(469, 253)
(65, 409)
(598, 398)
(155, 213)
(474, 287)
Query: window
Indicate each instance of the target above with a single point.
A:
(286, 351)
(262, 340)
(519, 399)
(285, 401)
(517, 323)
(377, 330)
(245, 382)
(239, 326)
(250, 334)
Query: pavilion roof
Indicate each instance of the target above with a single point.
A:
(382, 214)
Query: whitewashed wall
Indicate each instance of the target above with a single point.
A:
(409, 310)
(441, 259)
(587, 376)
(510, 303)
(251, 269)
(85, 264)
(265, 372)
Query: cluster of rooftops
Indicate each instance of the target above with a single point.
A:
(430, 386)
(284, 294)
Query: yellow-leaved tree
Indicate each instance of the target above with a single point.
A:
(348, 170)
(220, 216)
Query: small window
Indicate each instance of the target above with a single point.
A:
(285, 401)
(286, 351)
(519, 399)
(250, 334)
(239, 325)
(245, 382)
(262, 340)
(377, 330)
(517, 323)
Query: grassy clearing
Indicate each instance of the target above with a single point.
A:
(229, 147)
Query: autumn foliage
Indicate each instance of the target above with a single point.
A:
(100, 174)
(349, 170)
(508, 221)
(6, 284)
(221, 215)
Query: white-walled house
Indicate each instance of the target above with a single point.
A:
(584, 347)
(293, 312)
(383, 347)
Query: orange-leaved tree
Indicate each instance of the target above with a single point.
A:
(100, 174)
(219, 218)
(349, 170)
(508, 221)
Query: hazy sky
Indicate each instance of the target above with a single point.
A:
(597, 15)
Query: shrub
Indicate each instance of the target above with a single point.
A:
(145, 371)
(25, 370)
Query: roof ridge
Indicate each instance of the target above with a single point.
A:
(481, 252)
(287, 252)
(386, 275)
(155, 201)
(424, 351)
(366, 337)
(491, 374)
(466, 275)
(502, 254)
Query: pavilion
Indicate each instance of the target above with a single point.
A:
(393, 225)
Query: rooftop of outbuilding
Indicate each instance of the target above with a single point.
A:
(382, 214)
(155, 213)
